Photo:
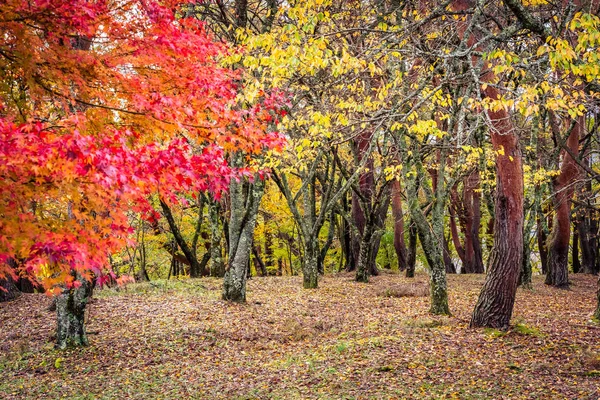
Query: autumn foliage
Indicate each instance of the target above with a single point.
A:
(103, 104)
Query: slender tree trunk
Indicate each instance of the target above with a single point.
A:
(575, 245)
(366, 185)
(346, 239)
(398, 214)
(586, 226)
(259, 264)
(597, 312)
(327, 244)
(526, 272)
(412, 250)
(269, 258)
(542, 239)
(431, 238)
(588, 244)
(216, 266)
(188, 251)
(456, 239)
(450, 267)
(558, 243)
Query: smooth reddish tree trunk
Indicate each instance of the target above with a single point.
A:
(496, 300)
(558, 243)
(495, 303)
(468, 211)
(472, 201)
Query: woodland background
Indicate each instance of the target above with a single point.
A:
(443, 152)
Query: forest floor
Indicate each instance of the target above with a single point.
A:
(178, 340)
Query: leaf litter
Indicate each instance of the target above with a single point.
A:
(344, 340)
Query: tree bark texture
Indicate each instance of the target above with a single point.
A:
(196, 269)
(575, 246)
(431, 238)
(216, 265)
(526, 269)
(398, 214)
(365, 211)
(70, 315)
(587, 227)
(542, 239)
(245, 200)
(558, 243)
(468, 210)
(8, 290)
(496, 300)
(597, 312)
(412, 250)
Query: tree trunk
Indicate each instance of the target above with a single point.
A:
(525, 275)
(8, 290)
(412, 250)
(468, 209)
(364, 257)
(542, 241)
(496, 300)
(575, 246)
(215, 263)
(398, 214)
(195, 268)
(473, 208)
(597, 312)
(327, 244)
(431, 238)
(70, 313)
(269, 257)
(558, 247)
(310, 271)
(587, 227)
(450, 267)
(374, 250)
(588, 244)
(245, 200)
(259, 264)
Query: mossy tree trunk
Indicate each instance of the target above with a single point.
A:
(216, 265)
(245, 200)
(322, 171)
(431, 233)
(364, 256)
(70, 315)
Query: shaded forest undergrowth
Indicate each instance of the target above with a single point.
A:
(345, 340)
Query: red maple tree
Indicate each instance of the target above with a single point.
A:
(103, 103)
